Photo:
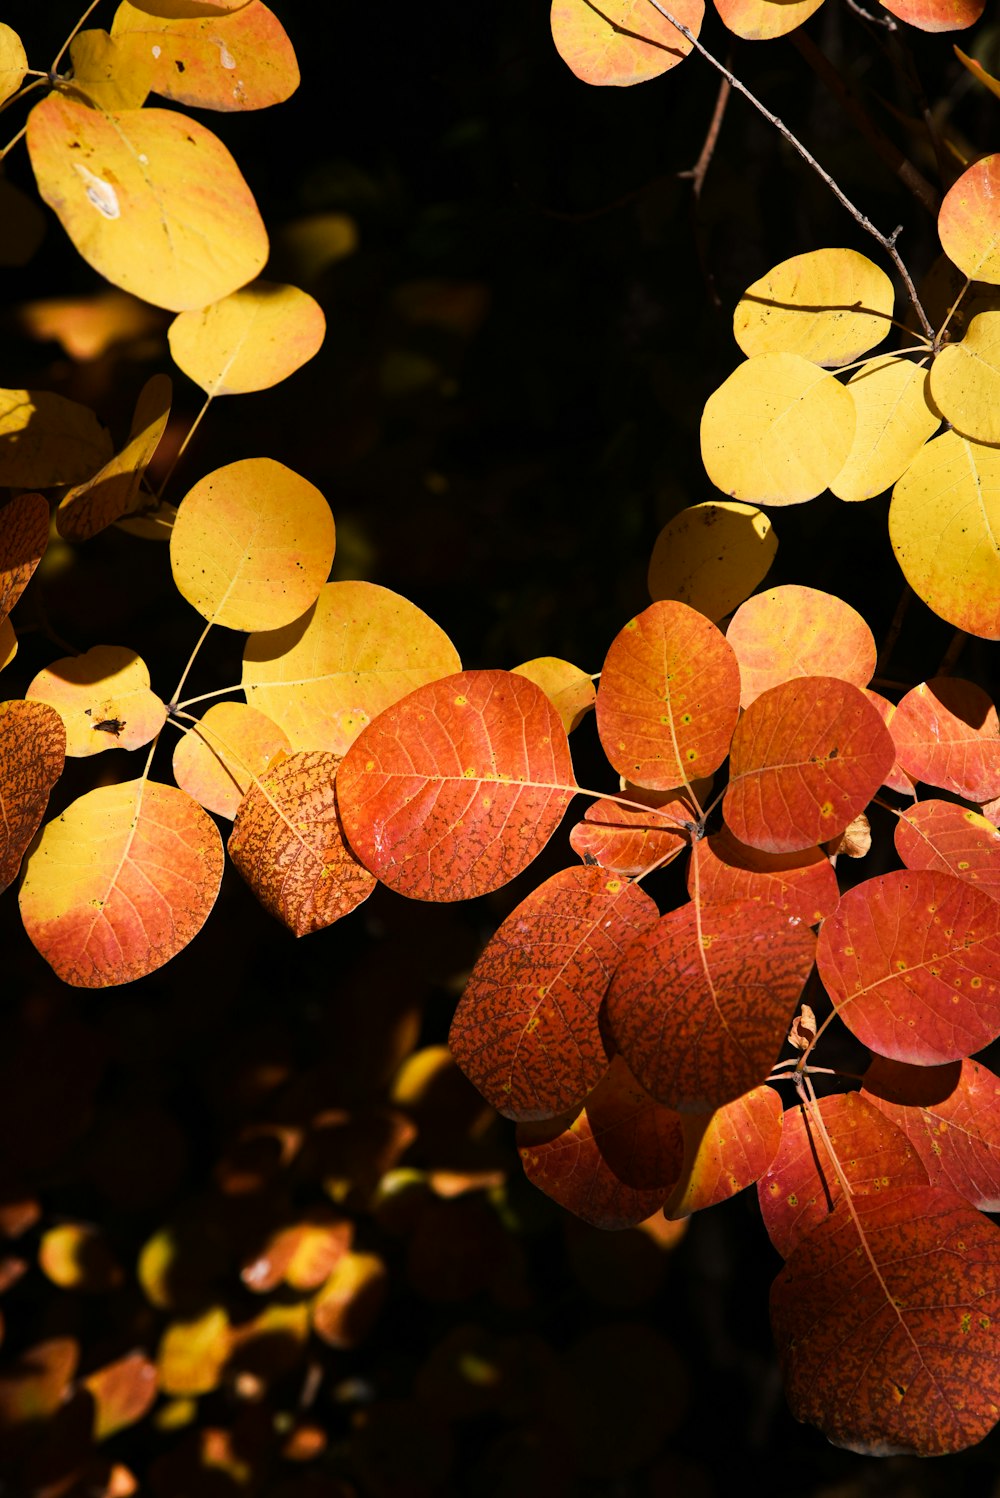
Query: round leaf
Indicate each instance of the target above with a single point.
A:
(249, 340)
(13, 62)
(894, 420)
(103, 698)
(947, 733)
(107, 74)
(793, 631)
(623, 42)
(570, 690)
(628, 841)
(937, 15)
(969, 220)
(829, 306)
(726, 1151)
(32, 755)
(965, 380)
(953, 839)
(802, 884)
(712, 556)
(216, 761)
(762, 20)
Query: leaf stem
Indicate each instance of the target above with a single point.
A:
(181, 450)
(173, 704)
(204, 696)
(81, 22)
(951, 312)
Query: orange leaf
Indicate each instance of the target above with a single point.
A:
(726, 1151)
(793, 631)
(103, 698)
(24, 535)
(301, 1256)
(35, 1385)
(947, 734)
(32, 755)
(626, 840)
(969, 220)
(111, 493)
(347, 1307)
(802, 884)
(762, 20)
(123, 1392)
(216, 761)
(937, 15)
(953, 839)
(621, 41)
(897, 778)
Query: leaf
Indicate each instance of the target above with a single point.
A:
(888, 1342)
(894, 420)
(965, 380)
(700, 1004)
(35, 1384)
(107, 74)
(453, 791)
(947, 733)
(103, 698)
(953, 839)
(621, 42)
(151, 199)
(828, 306)
(121, 882)
(46, 439)
(526, 1028)
(85, 327)
(801, 884)
(123, 1392)
(346, 1308)
(358, 650)
(192, 1354)
(613, 1161)
(792, 631)
(937, 15)
(288, 844)
(911, 960)
(978, 71)
(215, 761)
(778, 431)
(252, 545)
(762, 20)
(726, 1151)
(302, 1255)
(944, 525)
(711, 556)
(250, 340)
(668, 699)
(112, 491)
(626, 840)
(8, 643)
(969, 219)
(806, 757)
(32, 754)
(24, 535)
(897, 779)
(570, 690)
(76, 1256)
(13, 62)
(241, 60)
(186, 9)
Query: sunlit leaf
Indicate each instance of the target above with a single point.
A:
(969, 220)
(829, 306)
(77, 1256)
(526, 1028)
(32, 754)
(249, 340)
(894, 420)
(103, 698)
(965, 380)
(626, 840)
(761, 20)
(13, 62)
(937, 15)
(941, 835)
(24, 535)
(802, 884)
(123, 1392)
(288, 844)
(806, 758)
(570, 690)
(46, 439)
(947, 733)
(793, 631)
(301, 1256)
(726, 1151)
(150, 198)
(621, 41)
(712, 556)
(911, 960)
(347, 1306)
(192, 1354)
(108, 74)
(453, 791)
(357, 651)
(897, 778)
(175, 10)
(252, 545)
(777, 431)
(34, 1385)
(121, 882)
(216, 761)
(668, 698)
(111, 493)
(978, 71)
(701, 1003)
(889, 1342)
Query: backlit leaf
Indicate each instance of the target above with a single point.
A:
(243, 60)
(357, 651)
(626, 840)
(347, 1306)
(712, 556)
(793, 631)
(953, 839)
(108, 74)
(894, 420)
(911, 960)
(35, 1384)
(526, 1028)
(123, 1392)
(944, 524)
(46, 439)
(897, 778)
(726, 1151)
(761, 20)
(111, 493)
(76, 1256)
(806, 758)
(777, 431)
(301, 1256)
(965, 380)
(947, 733)
(802, 884)
(621, 41)
(288, 844)
(668, 698)
(249, 340)
(453, 791)
(252, 545)
(13, 62)
(969, 220)
(121, 882)
(701, 1003)
(24, 535)
(889, 1342)
(937, 15)
(829, 306)
(150, 198)
(32, 754)
(215, 762)
(570, 690)
(103, 698)
(186, 9)
(192, 1354)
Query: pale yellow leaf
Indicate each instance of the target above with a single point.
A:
(763, 20)
(103, 698)
(46, 439)
(621, 42)
(111, 493)
(13, 62)
(894, 420)
(965, 380)
(216, 761)
(830, 306)
(248, 341)
(712, 556)
(106, 73)
(570, 690)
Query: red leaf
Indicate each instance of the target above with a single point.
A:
(912, 962)
(947, 734)
(726, 1151)
(32, 755)
(953, 839)
(626, 840)
(701, 1003)
(801, 884)
(452, 791)
(806, 757)
(525, 1031)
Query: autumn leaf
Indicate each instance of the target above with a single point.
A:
(46, 439)
(32, 754)
(107, 74)
(762, 20)
(215, 762)
(627, 840)
(803, 884)
(828, 306)
(793, 631)
(969, 218)
(24, 535)
(894, 421)
(570, 690)
(192, 1354)
(123, 1392)
(104, 699)
(965, 380)
(77, 1256)
(621, 42)
(111, 492)
(937, 15)
(942, 835)
(35, 1383)
(346, 1307)
(897, 778)
(302, 1255)
(13, 62)
(711, 556)
(726, 1151)
(947, 733)
(250, 340)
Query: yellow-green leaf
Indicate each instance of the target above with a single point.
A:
(216, 761)
(894, 420)
(107, 74)
(103, 698)
(250, 340)
(111, 493)
(969, 221)
(13, 62)
(712, 556)
(762, 20)
(621, 41)
(965, 380)
(777, 431)
(944, 524)
(151, 199)
(252, 545)
(46, 439)
(830, 306)
(570, 690)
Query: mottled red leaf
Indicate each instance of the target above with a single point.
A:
(912, 962)
(726, 1151)
(889, 1341)
(806, 757)
(942, 835)
(629, 841)
(32, 755)
(947, 734)
(669, 697)
(525, 1031)
(24, 535)
(452, 791)
(802, 884)
(793, 631)
(701, 1003)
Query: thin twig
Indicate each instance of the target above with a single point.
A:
(696, 174)
(951, 655)
(81, 22)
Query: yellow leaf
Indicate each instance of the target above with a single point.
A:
(248, 341)
(570, 690)
(46, 439)
(252, 545)
(712, 556)
(177, 10)
(192, 1354)
(969, 221)
(151, 199)
(944, 525)
(13, 62)
(359, 650)
(216, 761)
(762, 20)
(111, 493)
(645, 46)
(894, 420)
(830, 306)
(103, 698)
(965, 380)
(777, 431)
(107, 74)
(346, 1308)
(314, 241)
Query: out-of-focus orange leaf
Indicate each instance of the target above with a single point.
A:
(103, 698)
(570, 690)
(726, 1151)
(24, 535)
(121, 882)
(111, 493)
(762, 20)
(793, 631)
(941, 835)
(216, 761)
(34, 1385)
(969, 220)
(249, 340)
(947, 733)
(13, 62)
(346, 1308)
(192, 1354)
(32, 755)
(86, 327)
(302, 1255)
(46, 439)
(937, 15)
(18, 1213)
(621, 41)
(802, 884)
(628, 841)
(107, 74)
(76, 1256)
(123, 1392)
